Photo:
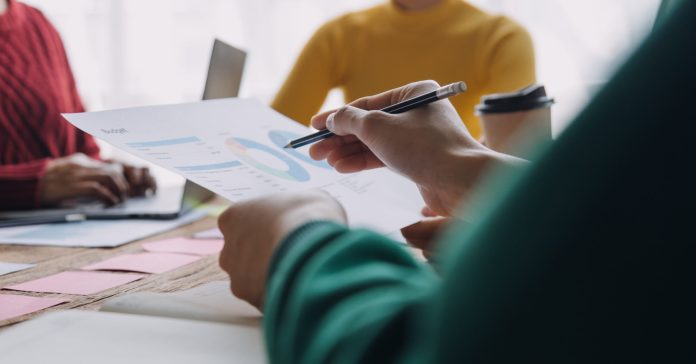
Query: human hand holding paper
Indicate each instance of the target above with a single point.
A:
(254, 228)
(234, 147)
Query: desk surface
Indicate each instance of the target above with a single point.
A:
(50, 260)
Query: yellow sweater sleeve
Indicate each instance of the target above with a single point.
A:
(312, 77)
(512, 63)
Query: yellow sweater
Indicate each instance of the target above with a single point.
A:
(383, 47)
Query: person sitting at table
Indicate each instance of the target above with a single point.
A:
(43, 159)
(402, 41)
(584, 256)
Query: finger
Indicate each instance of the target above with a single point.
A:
(345, 151)
(96, 190)
(357, 162)
(134, 178)
(319, 121)
(422, 234)
(391, 97)
(428, 212)
(322, 149)
(349, 120)
(353, 157)
(381, 100)
(149, 181)
(115, 182)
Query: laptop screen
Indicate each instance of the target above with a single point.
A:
(225, 71)
(223, 81)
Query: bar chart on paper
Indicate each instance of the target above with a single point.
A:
(234, 147)
(237, 165)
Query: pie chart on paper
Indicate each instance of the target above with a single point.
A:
(243, 149)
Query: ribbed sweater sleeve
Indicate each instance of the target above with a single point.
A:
(36, 86)
(20, 183)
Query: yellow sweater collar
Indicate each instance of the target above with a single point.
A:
(427, 17)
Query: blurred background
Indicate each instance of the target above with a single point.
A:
(129, 53)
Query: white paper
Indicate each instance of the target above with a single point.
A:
(234, 147)
(7, 268)
(77, 336)
(213, 233)
(92, 233)
(208, 302)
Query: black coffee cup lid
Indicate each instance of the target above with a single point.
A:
(528, 98)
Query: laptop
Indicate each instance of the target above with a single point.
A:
(223, 81)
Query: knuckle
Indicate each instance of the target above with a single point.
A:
(340, 114)
(372, 121)
(93, 186)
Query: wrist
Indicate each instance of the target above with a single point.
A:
(325, 210)
(463, 169)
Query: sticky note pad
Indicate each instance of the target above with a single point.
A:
(186, 246)
(14, 305)
(83, 283)
(144, 262)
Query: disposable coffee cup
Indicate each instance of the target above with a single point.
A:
(513, 122)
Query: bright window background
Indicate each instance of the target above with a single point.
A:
(139, 52)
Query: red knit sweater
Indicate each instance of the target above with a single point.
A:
(36, 85)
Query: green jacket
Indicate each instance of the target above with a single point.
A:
(586, 257)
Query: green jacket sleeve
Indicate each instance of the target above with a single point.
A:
(585, 258)
(337, 295)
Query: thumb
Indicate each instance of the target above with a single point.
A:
(347, 120)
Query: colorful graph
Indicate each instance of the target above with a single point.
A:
(209, 167)
(164, 142)
(281, 138)
(241, 147)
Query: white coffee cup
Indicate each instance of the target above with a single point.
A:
(513, 121)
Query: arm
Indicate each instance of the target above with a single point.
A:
(336, 295)
(314, 74)
(19, 184)
(84, 143)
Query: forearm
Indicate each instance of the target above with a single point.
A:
(19, 184)
(340, 295)
(462, 171)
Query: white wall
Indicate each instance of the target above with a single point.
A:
(137, 52)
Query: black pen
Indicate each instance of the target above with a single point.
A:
(406, 105)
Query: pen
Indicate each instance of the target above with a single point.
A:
(406, 105)
(42, 220)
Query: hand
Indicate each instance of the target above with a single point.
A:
(139, 179)
(430, 144)
(424, 233)
(80, 176)
(252, 230)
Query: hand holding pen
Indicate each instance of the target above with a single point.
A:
(429, 145)
(406, 105)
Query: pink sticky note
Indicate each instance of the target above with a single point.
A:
(186, 246)
(144, 262)
(13, 305)
(77, 282)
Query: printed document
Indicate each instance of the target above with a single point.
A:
(234, 147)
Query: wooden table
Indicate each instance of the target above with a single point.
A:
(50, 260)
